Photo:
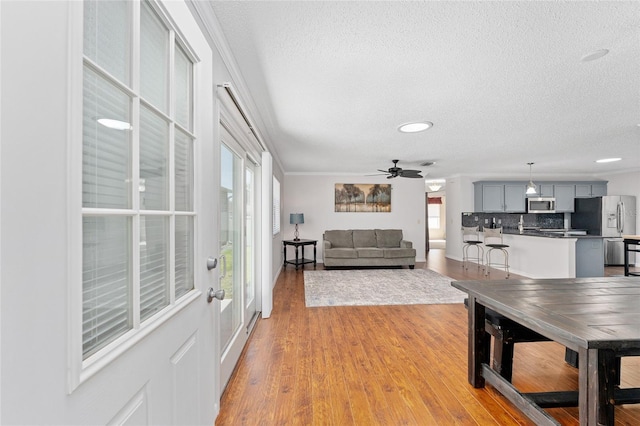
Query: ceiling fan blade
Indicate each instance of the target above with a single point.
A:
(411, 171)
(411, 176)
(390, 177)
(378, 174)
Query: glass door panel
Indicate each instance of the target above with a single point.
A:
(249, 244)
(230, 245)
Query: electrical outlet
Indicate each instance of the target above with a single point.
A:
(486, 221)
(475, 218)
(499, 221)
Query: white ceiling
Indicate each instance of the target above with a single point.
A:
(503, 83)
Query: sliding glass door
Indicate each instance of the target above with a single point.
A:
(237, 251)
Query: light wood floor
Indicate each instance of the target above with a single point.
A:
(385, 365)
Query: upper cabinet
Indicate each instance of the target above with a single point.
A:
(546, 190)
(500, 197)
(510, 197)
(587, 189)
(565, 194)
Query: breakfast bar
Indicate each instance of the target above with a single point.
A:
(596, 317)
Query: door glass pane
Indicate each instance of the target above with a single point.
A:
(230, 246)
(249, 248)
(184, 255)
(154, 161)
(106, 280)
(154, 58)
(154, 264)
(107, 36)
(183, 88)
(184, 171)
(106, 150)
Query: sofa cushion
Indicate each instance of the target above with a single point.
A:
(370, 252)
(399, 252)
(388, 238)
(364, 238)
(341, 253)
(340, 238)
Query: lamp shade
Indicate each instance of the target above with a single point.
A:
(296, 218)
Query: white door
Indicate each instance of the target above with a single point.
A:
(237, 257)
(106, 228)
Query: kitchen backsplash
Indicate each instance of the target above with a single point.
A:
(510, 220)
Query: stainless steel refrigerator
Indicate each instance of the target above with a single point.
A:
(610, 216)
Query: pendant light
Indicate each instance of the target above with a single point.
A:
(531, 187)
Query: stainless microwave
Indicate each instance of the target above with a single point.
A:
(541, 205)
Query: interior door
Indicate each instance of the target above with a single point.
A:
(161, 369)
(237, 251)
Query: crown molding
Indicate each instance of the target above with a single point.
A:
(207, 20)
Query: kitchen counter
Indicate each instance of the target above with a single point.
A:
(540, 254)
(548, 233)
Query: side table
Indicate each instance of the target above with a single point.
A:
(299, 261)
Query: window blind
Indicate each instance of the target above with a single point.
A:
(110, 217)
(154, 58)
(106, 279)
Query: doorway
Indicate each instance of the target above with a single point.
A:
(436, 223)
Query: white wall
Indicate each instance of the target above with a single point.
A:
(276, 243)
(313, 195)
(459, 199)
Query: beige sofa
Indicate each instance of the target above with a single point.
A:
(367, 247)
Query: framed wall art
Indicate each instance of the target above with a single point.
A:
(362, 197)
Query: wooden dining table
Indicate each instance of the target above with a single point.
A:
(599, 318)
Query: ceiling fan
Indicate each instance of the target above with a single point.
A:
(396, 171)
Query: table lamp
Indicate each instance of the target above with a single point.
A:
(295, 219)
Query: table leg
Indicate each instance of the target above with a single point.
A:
(597, 376)
(314, 255)
(297, 257)
(478, 353)
(284, 255)
(626, 258)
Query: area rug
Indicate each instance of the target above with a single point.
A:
(359, 287)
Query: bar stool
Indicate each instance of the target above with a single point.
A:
(471, 238)
(493, 240)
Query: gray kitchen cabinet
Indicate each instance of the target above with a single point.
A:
(586, 190)
(514, 198)
(565, 195)
(510, 196)
(494, 197)
(546, 190)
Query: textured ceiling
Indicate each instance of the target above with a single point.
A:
(503, 83)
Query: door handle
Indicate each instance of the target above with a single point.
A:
(223, 259)
(215, 294)
(212, 262)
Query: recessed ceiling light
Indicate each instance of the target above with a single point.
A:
(594, 55)
(415, 127)
(608, 160)
(114, 124)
